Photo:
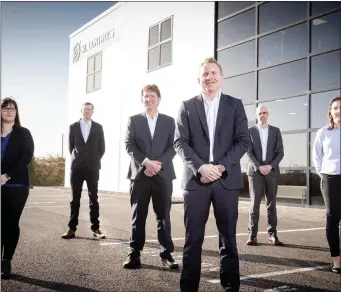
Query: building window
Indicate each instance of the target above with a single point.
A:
(160, 44)
(94, 73)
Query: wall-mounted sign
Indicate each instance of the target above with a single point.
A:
(80, 48)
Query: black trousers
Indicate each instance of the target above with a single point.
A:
(78, 176)
(13, 200)
(141, 191)
(197, 206)
(331, 190)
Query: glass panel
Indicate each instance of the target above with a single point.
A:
(319, 107)
(153, 58)
(326, 33)
(294, 156)
(166, 29)
(323, 6)
(243, 87)
(90, 83)
(153, 35)
(315, 190)
(284, 45)
(288, 114)
(292, 186)
(91, 65)
(273, 15)
(238, 59)
(166, 53)
(250, 111)
(98, 80)
(237, 28)
(98, 62)
(312, 139)
(283, 80)
(226, 8)
(325, 71)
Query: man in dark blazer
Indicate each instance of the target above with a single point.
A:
(87, 147)
(265, 154)
(211, 137)
(149, 142)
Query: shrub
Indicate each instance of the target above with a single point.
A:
(47, 171)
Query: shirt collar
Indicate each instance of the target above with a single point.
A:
(208, 99)
(85, 123)
(259, 127)
(153, 117)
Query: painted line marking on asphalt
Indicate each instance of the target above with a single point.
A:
(281, 289)
(216, 236)
(279, 273)
(41, 203)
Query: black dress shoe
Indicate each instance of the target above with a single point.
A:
(133, 261)
(335, 270)
(6, 269)
(168, 261)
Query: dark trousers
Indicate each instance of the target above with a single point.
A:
(13, 200)
(197, 206)
(141, 192)
(258, 186)
(78, 176)
(331, 189)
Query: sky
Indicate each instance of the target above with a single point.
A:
(34, 64)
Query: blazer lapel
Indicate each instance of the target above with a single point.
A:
(220, 115)
(269, 142)
(146, 126)
(199, 104)
(79, 132)
(258, 141)
(158, 126)
(90, 132)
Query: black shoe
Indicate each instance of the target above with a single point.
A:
(335, 270)
(98, 233)
(133, 261)
(273, 239)
(168, 261)
(6, 268)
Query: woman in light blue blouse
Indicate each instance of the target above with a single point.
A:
(326, 158)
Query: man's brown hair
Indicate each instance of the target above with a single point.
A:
(153, 88)
(212, 61)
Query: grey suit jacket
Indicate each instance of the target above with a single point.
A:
(140, 144)
(274, 151)
(231, 140)
(89, 153)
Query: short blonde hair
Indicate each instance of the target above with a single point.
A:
(153, 88)
(211, 60)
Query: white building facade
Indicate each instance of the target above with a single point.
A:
(123, 49)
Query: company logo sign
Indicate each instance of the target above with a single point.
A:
(80, 48)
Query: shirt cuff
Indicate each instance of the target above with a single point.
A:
(145, 160)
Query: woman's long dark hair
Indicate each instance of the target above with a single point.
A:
(9, 101)
(330, 118)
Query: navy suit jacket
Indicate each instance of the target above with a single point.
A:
(231, 140)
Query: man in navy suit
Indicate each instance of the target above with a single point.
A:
(211, 137)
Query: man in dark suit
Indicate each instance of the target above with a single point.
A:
(211, 137)
(265, 154)
(87, 147)
(149, 142)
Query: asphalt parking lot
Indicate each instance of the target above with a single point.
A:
(45, 262)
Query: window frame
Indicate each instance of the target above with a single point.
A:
(160, 43)
(93, 72)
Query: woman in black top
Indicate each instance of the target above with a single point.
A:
(17, 148)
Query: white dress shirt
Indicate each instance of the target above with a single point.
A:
(151, 124)
(85, 128)
(326, 151)
(211, 109)
(264, 135)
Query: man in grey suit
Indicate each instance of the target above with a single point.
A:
(211, 136)
(149, 142)
(265, 154)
